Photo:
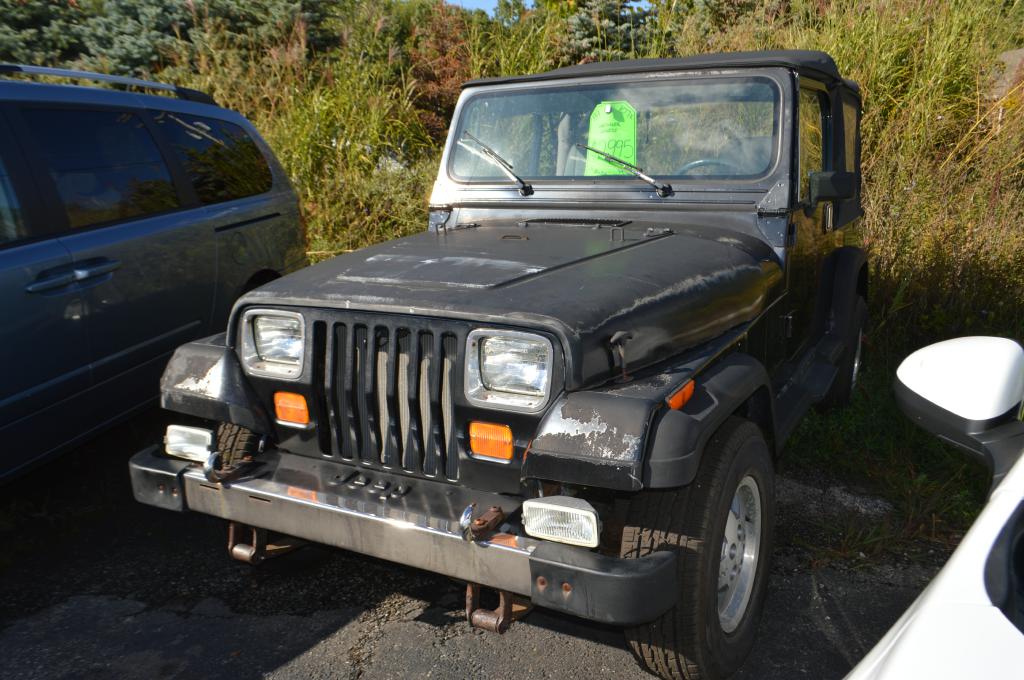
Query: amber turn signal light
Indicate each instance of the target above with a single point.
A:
(291, 408)
(490, 440)
(678, 399)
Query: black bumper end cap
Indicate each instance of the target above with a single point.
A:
(597, 587)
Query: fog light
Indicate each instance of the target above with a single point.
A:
(190, 443)
(564, 519)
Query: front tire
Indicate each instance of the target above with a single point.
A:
(236, 445)
(721, 527)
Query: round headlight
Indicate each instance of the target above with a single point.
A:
(508, 369)
(273, 343)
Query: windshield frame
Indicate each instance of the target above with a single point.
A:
(774, 77)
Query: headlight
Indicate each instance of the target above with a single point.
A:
(273, 343)
(508, 369)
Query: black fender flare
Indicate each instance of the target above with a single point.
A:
(625, 437)
(205, 379)
(678, 438)
(843, 280)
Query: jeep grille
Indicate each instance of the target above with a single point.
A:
(389, 385)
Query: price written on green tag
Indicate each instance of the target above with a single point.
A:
(612, 130)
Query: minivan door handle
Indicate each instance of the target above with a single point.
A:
(42, 285)
(88, 271)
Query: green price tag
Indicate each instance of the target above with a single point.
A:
(612, 130)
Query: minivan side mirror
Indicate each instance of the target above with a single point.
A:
(968, 391)
(831, 185)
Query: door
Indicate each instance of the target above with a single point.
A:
(142, 250)
(233, 179)
(809, 224)
(43, 347)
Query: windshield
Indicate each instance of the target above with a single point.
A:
(683, 129)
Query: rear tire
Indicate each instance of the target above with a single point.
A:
(708, 635)
(236, 445)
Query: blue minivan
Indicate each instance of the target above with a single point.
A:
(129, 224)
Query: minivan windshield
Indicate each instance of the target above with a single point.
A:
(695, 128)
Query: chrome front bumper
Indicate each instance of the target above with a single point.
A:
(319, 500)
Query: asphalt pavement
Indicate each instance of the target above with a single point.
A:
(95, 585)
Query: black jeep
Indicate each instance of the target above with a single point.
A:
(573, 385)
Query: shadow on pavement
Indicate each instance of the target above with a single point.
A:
(93, 584)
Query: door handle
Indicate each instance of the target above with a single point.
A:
(50, 282)
(81, 273)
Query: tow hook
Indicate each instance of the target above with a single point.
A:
(510, 608)
(480, 528)
(259, 547)
(495, 620)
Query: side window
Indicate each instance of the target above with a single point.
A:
(105, 164)
(222, 161)
(851, 123)
(813, 106)
(12, 227)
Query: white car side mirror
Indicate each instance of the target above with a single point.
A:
(976, 378)
(968, 391)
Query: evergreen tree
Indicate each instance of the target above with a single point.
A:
(136, 37)
(45, 32)
(605, 30)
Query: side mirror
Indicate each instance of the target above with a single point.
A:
(968, 391)
(832, 185)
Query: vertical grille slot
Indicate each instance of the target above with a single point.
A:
(451, 453)
(340, 385)
(383, 412)
(319, 387)
(405, 395)
(428, 388)
(363, 398)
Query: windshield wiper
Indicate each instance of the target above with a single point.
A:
(524, 187)
(663, 188)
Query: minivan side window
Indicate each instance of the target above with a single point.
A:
(104, 163)
(12, 227)
(222, 161)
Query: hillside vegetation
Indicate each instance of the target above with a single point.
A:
(355, 97)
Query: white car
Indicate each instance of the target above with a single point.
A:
(969, 621)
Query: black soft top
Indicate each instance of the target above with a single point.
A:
(812, 63)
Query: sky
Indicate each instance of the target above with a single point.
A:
(487, 5)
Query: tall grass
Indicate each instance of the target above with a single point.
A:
(943, 161)
(343, 125)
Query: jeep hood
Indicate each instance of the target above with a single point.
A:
(669, 289)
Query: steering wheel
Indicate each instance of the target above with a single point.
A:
(705, 162)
